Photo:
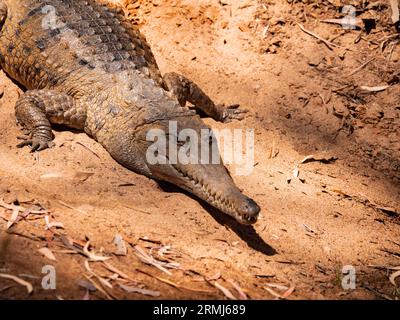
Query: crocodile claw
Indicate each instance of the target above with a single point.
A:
(36, 144)
(233, 112)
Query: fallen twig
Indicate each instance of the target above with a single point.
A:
(20, 281)
(146, 292)
(361, 67)
(326, 42)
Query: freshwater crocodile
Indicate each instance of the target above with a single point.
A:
(85, 66)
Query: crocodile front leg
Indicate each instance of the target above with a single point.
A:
(36, 109)
(186, 90)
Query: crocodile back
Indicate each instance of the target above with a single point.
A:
(43, 43)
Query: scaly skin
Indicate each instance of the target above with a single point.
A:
(86, 67)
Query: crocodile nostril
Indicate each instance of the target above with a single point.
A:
(253, 219)
(249, 211)
(252, 208)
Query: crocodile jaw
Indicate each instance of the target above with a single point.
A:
(212, 184)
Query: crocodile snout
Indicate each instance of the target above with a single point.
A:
(248, 211)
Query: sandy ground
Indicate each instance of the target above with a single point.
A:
(305, 97)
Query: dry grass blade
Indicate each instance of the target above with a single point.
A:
(20, 281)
(145, 292)
(225, 291)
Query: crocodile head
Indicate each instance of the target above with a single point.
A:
(159, 129)
(202, 176)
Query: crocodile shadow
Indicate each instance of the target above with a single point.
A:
(246, 233)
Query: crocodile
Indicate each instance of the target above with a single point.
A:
(86, 67)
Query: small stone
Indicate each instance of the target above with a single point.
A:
(121, 246)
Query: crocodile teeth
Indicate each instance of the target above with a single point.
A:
(213, 196)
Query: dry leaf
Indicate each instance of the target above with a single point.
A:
(225, 291)
(52, 175)
(14, 217)
(374, 89)
(49, 225)
(277, 286)
(86, 296)
(47, 253)
(99, 288)
(214, 277)
(285, 295)
(296, 172)
(87, 285)
(82, 176)
(139, 290)
(395, 10)
(146, 258)
(393, 277)
(272, 292)
(103, 281)
(288, 292)
(91, 255)
(242, 294)
(115, 270)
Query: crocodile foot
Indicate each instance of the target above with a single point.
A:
(232, 112)
(36, 143)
